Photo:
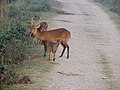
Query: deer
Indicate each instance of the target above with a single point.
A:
(52, 48)
(41, 26)
(61, 34)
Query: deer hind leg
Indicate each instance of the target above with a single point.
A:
(67, 51)
(53, 56)
(64, 47)
(48, 56)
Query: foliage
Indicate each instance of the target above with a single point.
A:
(113, 5)
(14, 36)
(28, 8)
(13, 47)
(22, 9)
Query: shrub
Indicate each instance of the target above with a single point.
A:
(13, 47)
(23, 9)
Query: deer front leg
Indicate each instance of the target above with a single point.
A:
(48, 56)
(45, 49)
(53, 56)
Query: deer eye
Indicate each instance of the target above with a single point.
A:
(33, 28)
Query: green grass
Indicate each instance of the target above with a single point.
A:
(106, 70)
(114, 16)
(34, 67)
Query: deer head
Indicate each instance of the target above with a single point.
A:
(34, 26)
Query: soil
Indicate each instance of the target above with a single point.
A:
(94, 49)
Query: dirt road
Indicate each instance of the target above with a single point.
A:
(94, 49)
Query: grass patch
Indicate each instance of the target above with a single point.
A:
(34, 68)
(113, 15)
(47, 15)
(106, 70)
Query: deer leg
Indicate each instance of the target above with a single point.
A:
(54, 57)
(67, 51)
(49, 56)
(45, 49)
(64, 47)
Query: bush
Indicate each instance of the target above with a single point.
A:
(13, 47)
(23, 9)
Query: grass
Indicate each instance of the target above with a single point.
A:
(113, 16)
(37, 66)
(47, 16)
(106, 70)
(34, 68)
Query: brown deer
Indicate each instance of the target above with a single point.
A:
(52, 35)
(41, 26)
(52, 47)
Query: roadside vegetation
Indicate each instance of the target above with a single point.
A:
(106, 70)
(15, 45)
(113, 5)
(113, 8)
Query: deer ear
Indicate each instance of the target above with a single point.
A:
(37, 26)
(32, 20)
(38, 21)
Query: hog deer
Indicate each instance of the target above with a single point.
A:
(41, 26)
(52, 35)
(52, 47)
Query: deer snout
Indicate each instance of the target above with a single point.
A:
(31, 35)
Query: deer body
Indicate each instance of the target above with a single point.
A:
(52, 35)
(41, 33)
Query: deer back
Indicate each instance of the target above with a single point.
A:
(53, 35)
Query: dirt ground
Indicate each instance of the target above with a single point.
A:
(94, 49)
(94, 62)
